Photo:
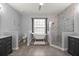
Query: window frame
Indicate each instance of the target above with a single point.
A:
(33, 24)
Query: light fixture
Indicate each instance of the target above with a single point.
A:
(41, 3)
(40, 6)
(77, 8)
(0, 7)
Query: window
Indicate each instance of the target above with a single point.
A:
(39, 26)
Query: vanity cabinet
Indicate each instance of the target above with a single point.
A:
(5, 46)
(73, 46)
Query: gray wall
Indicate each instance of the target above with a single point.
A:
(76, 17)
(27, 24)
(9, 23)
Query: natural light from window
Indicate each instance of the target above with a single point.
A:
(39, 26)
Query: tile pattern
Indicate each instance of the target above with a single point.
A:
(65, 24)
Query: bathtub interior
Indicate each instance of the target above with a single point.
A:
(39, 36)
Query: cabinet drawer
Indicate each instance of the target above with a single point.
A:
(9, 39)
(72, 39)
(77, 40)
(5, 46)
(8, 46)
(9, 49)
(2, 41)
(71, 46)
(9, 43)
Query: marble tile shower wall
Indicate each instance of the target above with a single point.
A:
(65, 23)
(66, 20)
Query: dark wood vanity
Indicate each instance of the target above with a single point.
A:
(73, 45)
(5, 45)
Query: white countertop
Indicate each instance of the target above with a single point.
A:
(3, 36)
(76, 36)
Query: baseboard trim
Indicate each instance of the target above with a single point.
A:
(62, 49)
(15, 48)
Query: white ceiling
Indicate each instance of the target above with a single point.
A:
(47, 8)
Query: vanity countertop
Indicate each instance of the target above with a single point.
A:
(75, 36)
(3, 36)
